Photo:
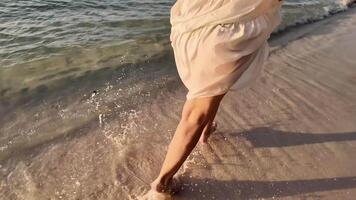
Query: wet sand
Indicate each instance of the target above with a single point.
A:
(292, 135)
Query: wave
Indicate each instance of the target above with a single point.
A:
(304, 12)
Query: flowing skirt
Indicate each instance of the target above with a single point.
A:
(214, 59)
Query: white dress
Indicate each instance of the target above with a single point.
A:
(221, 45)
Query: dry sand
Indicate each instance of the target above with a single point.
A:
(291, 136)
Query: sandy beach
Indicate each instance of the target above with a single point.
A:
(292, 135)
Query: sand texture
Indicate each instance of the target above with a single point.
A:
(292, 135)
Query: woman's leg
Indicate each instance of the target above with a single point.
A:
(209, 128)
(195, 116)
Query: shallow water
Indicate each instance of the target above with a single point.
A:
(43, 43)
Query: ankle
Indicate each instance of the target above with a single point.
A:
(161, 184)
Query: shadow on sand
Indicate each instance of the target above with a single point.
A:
(268, 137)
(194, 188)
(215, 189)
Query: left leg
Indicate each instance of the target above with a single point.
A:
(209, 128)
(195, 116)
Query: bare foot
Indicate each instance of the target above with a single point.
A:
(207, 132)
(161, 190)
(154, 195)
(161, 186)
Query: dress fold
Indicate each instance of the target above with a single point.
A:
(221, 45)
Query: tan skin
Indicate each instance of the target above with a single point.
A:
(195, 125)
